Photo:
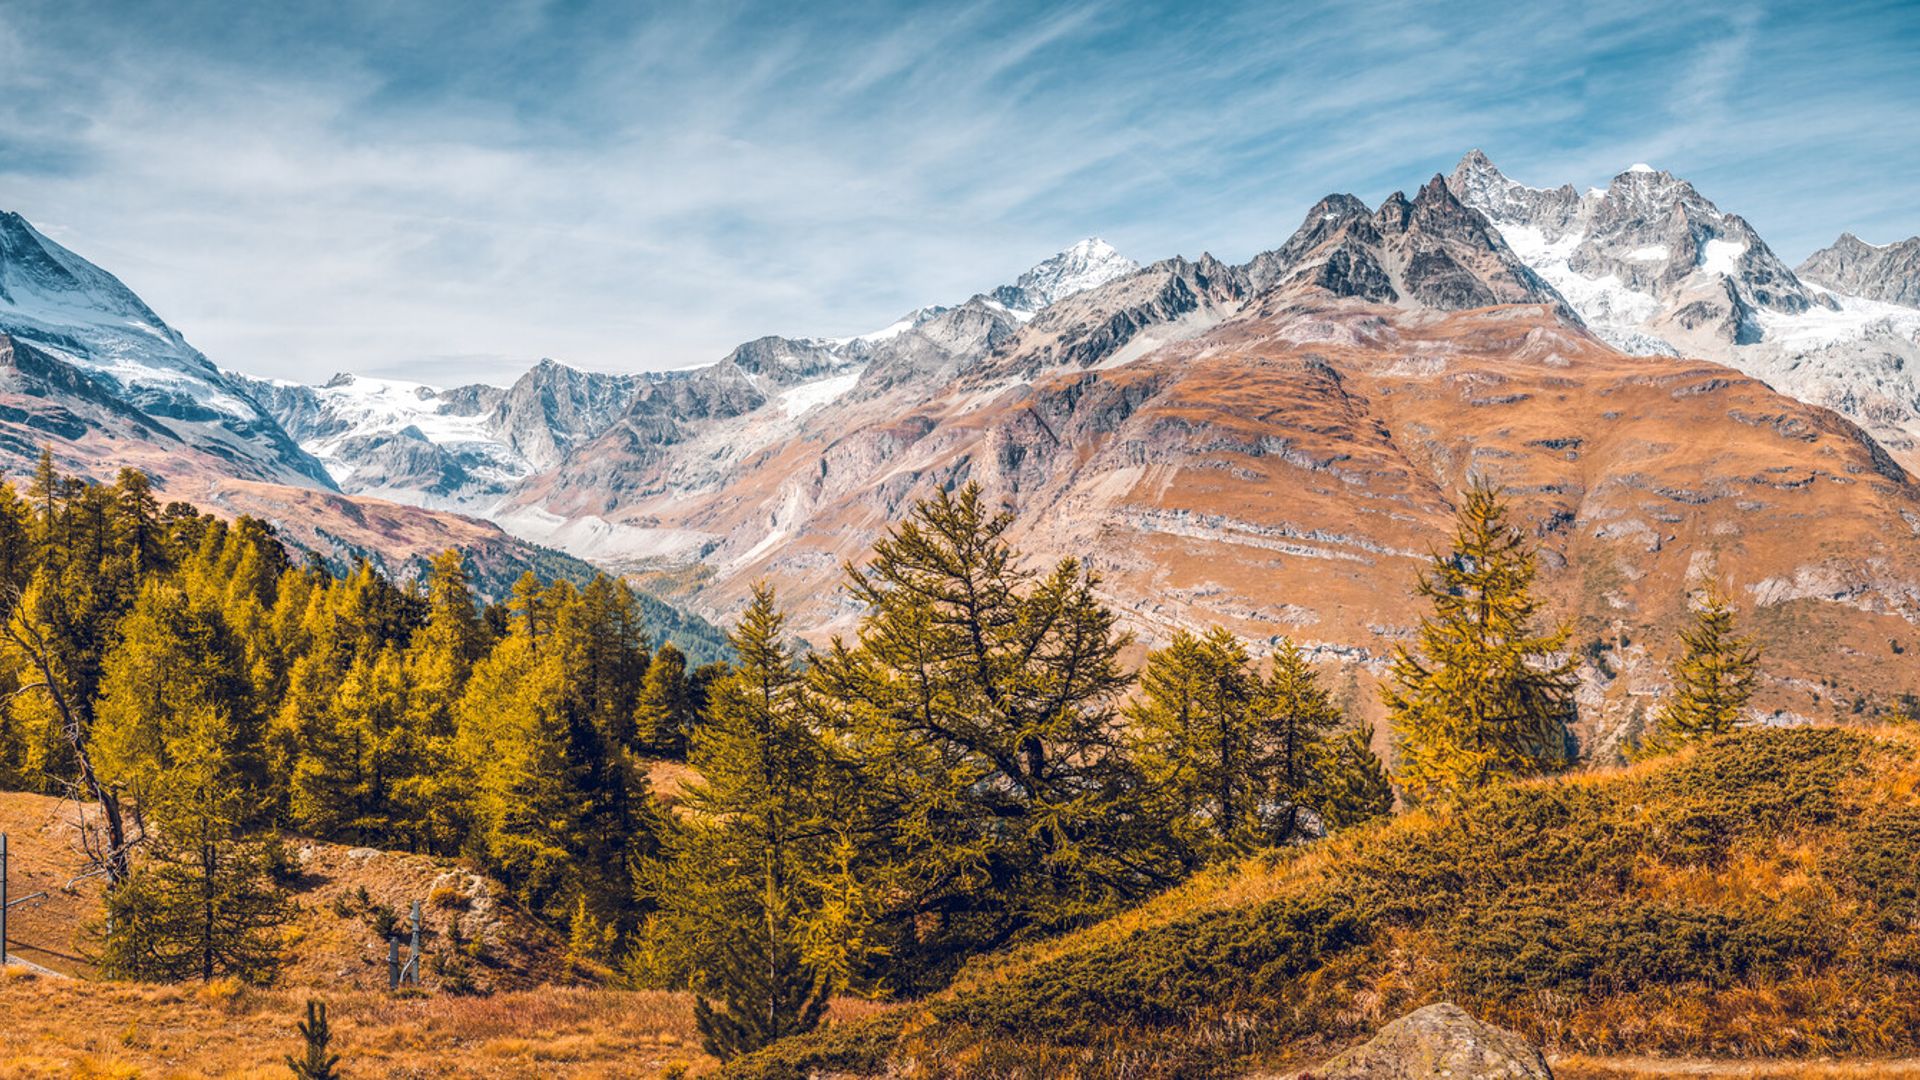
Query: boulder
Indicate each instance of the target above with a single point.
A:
(1437, 1041)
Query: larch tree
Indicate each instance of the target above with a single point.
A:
(1486, 694)
(179, 734)
(1713, 679)
(1354, 785)
(664, 713)
(1299, 718)
(1195, 746)
(984, 700)
(742, 878)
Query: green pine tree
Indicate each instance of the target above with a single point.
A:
(1713, 679)
(317, 1060)
(1486, 694)
(664, 714)
(1353, 784)
(742, 881)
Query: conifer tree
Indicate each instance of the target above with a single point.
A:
(1713, 679)
(1486, 694)
(1197, 745)
(985, 700)
(526, 807)
(664, 714)
(1299, 720)
(736, 894)
(1353, 784)
(768, 989)
(317, 1060)
(438, 660)
(199, 903)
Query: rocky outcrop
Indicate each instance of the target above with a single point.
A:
(1431, 251)
(1889, 273)
(550, 409)
(1439, 1042)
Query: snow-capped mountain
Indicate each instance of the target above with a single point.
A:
(1654, 267)
(73, 312)
(467, 448)
(1086, 265)
(462, 448)
(1885, 272)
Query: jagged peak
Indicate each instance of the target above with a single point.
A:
(1477, 160)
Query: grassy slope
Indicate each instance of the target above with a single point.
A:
(1755, 897)
(330, 938)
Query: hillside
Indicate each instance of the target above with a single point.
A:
(1753, 897)
(475, 937)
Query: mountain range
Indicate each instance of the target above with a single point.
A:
(1271, 445)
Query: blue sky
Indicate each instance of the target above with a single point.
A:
(413, 189)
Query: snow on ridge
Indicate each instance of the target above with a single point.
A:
(811, 395)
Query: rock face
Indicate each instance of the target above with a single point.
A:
(1887, 272)
(1654, 267)
(1439, 1042)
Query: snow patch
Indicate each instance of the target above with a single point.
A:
(1650, 253)
(812, 395)
(1722, 257)
(1640, 167)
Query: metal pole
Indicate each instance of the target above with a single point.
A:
(413, 952)
(3, 901)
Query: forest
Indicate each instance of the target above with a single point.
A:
(975, 766)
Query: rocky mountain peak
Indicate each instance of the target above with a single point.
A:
(1088, 264)
(1889, 273)
(1649, 249)
(1430, 251)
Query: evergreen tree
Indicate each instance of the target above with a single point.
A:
(1486, 695)
(1713, 679)
(1234, 761)
(317, 1061)
(664, 714)
(1300, 721)
(199, 904)
(526, 808)
(981, 701)
(741, 883)
(1198, 750)
(438, 661)
(1353, 782)
(768, 989)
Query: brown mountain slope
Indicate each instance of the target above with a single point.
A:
(1284, 470)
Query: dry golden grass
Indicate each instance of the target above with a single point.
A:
(1587, 1068)
(51, 1027)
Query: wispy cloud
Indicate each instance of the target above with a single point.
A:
(417, 189)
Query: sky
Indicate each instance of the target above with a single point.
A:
(417, 190)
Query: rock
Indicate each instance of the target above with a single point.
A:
(362, 854)
(1437, 1041)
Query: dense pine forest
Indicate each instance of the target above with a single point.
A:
(974, 767)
